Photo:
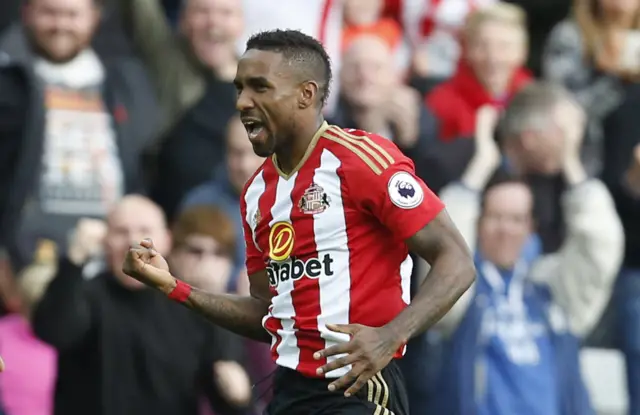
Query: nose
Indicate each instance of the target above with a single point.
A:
(244, 101)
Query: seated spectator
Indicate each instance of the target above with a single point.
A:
(363, 17)
(374, 99)
(72, 125)
(224, 190)
(123, 349)
(205, 240)
(27, 386)
(433, 29)
(490, 71)
(595, 54)
(514, 337)
(192, 72)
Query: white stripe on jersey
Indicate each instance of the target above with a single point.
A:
(252, 201)
(406, 269)
(283, 310)
(330, 233)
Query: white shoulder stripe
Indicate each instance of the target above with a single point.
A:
(252, 201)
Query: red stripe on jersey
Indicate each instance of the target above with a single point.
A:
(268, 198)
(306, 293)
(428, 24)
(324, 21)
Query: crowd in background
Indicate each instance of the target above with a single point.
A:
(118, 122)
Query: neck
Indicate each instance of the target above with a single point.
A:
(289, 156)
(497, 89)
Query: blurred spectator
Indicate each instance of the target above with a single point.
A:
(322, 19)
(542, 114)
(490, 71)
(223, 191)
(433, 28)
(593, 54)
(71, 125)
(192, 72)
(374, 99)
(542, 16)
(123, 349)
(27, 386)
(363, 17)
(515, 336)
(205, 241)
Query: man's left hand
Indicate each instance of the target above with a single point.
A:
(369, 351)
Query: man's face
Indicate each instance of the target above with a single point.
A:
(212, 28)
(539, 150)
(242, 162)
(367, 73)
(268, 99)
(495, 51)
(132, 221)
(362, 12)
(505, 224)
(201, 261)
(60, 29)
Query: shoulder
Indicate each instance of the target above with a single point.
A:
(362, 152)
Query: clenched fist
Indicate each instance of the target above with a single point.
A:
(146, 265)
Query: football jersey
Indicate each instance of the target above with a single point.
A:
(331, 237)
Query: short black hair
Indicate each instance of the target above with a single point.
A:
(499, 178)
(300, 49)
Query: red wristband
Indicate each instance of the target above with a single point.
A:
(181, 292)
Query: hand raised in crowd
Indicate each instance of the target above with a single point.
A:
(573, 134)
(233, 382)
(487, 153)
(86, 240)
(369, 350)
(633, 173)
(146, 265)
(403, 113)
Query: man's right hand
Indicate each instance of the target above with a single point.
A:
(146, 265)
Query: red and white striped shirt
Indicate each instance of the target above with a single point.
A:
(331, 236)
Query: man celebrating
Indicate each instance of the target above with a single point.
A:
(329, 219)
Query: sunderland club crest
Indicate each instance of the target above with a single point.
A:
(314, 200)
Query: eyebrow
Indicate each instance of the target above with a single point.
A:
(255, 80)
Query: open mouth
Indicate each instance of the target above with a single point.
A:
(254, 128)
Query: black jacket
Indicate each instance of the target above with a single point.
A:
(22, 121)
(129, 352)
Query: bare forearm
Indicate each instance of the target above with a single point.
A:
(445, 283)
(239, 314)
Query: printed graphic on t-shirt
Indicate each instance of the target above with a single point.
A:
(82, 174)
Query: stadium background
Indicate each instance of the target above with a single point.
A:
(183, 103)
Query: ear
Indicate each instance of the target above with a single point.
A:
(309, 91)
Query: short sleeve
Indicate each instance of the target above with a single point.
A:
(398, 198)
(253, 261)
